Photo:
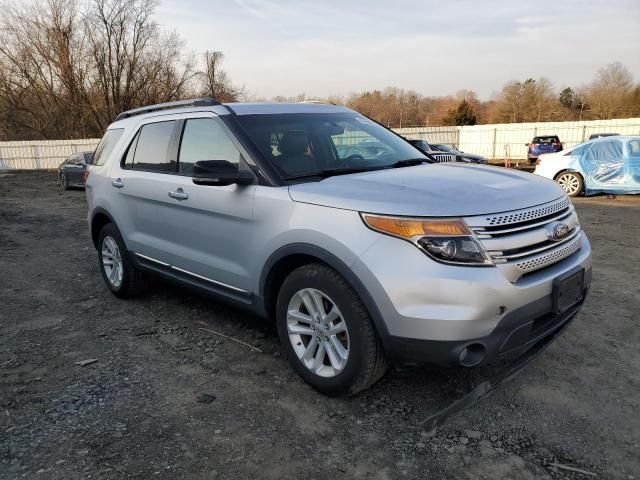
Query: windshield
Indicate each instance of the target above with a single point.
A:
(445, 148)
(317, 144)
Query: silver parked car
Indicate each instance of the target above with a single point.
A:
(362, 256)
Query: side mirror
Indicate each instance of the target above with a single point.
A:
(220, 173)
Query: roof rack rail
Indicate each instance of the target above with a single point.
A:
(196, 102)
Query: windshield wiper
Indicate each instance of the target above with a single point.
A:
(410, 162)
(330, 172)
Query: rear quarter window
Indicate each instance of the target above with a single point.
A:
(106, 145)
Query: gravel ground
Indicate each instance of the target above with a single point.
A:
(166, 398)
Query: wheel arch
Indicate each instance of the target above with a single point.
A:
(286, 259)
(99, 219)
(570, 170)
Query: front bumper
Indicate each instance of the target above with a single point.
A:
(431, 312)
(515, 334)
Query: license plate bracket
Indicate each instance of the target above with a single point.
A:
(568, 289)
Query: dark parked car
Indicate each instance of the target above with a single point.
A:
(593, 136)
(460, 155)
(71, 171)
(543, 144)
(437, 155)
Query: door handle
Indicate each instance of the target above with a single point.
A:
(179, 194)
(117, 183)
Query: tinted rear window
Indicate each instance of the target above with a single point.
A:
(551, 139)
(106, 145)
(152, 148)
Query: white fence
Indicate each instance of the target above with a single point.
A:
(492, 141)
(40, 154)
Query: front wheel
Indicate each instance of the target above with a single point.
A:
(64, 183)
(571, 183)
(327, 332)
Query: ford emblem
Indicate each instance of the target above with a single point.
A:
(556, 231)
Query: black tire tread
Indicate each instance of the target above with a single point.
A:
(373, 362)
(135, 282)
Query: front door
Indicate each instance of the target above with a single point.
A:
(212, 226)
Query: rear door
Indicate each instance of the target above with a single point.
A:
(603, 165)
(141, 181)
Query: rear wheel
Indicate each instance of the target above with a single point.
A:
(327, 332)
(64, 182)
(571, 183)
(121, 276)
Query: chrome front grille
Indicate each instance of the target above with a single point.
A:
(538, 262)
(528, 214)
(443, 157)
(517, 241)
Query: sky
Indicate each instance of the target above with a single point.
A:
(324, 47)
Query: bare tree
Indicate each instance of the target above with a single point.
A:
(215, 82)
(67, 71)
(610, 94)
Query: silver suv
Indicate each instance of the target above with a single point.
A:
(360, 249)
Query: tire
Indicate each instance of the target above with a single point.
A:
(64, 183)
(365, 363)
(571, 183)
(129, 281)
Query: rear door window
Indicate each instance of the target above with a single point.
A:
(578, 151)
(106, 145)
(604, 162)
(151, 148)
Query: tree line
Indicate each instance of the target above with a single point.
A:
(612, 94)
(68, 67)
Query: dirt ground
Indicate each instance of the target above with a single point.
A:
(167, 399)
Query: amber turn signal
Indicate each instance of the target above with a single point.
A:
(409, 228)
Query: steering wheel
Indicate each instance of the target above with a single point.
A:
(350, 158)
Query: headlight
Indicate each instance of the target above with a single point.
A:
(467, 159)
(447, 240)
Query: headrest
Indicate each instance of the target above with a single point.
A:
(294, 142)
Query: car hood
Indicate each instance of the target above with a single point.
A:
(471, 155)
(438, 190)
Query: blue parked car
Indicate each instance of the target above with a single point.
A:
(604, 165)
(543, 144)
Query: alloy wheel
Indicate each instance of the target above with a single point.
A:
(569, 183)
(318, 332)
(112, 261)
